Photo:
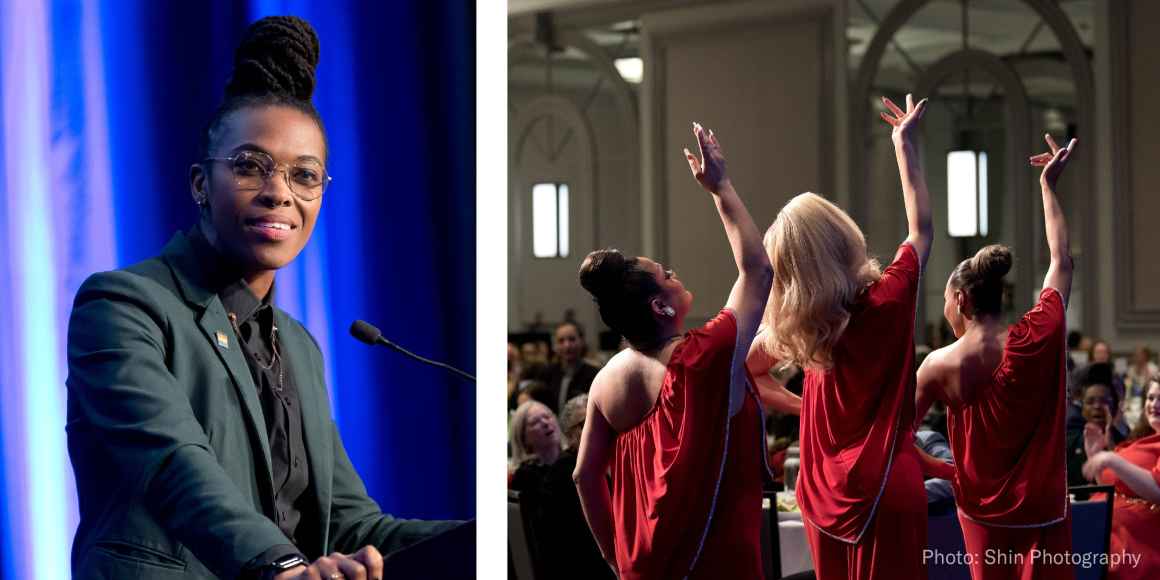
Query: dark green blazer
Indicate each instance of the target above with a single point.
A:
(168, 442)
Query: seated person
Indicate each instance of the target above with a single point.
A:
(940, 497)
(572, 422)
(1134, 469)
(563, 546)
(1099, 402)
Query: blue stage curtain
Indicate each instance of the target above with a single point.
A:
(103, 105)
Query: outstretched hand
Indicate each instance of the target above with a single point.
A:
(903, 122)
(709, 171)
(1053, 162)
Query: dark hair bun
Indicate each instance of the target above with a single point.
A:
(602, 272)
(277, 56)
(992, 263)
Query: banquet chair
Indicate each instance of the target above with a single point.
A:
(521, 548)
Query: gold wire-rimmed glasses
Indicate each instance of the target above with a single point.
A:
(253, 169)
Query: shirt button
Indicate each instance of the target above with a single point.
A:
(296, 462)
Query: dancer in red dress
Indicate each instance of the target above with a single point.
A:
(851, 328)
(1134, 468)
(1005, 389)
(674, 419)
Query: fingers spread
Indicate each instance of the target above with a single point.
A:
(893, 108)
(699, 131)
(909, 102)
(920, 109)
(1041, 159)
(886, 117)
(1051, 142)
(694, 165)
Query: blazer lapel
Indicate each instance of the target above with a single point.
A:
(215, 325)
(307, 369)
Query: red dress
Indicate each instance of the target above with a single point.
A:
(686, 481)
(1135, 521)
(860, 485)
(1008, 441)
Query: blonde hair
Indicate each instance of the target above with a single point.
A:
(521, 451)
(820, 265)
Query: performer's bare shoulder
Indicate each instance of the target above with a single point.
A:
(626, 389)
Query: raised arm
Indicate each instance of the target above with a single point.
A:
(754, 274)
(920, 228)
(596, 444)
(1060, 269)
(773, 394)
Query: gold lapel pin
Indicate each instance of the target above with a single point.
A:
(222, 339)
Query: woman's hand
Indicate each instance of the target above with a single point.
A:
(1052, 162)
(1095, 439)
(1096, 464)
(903, 122)
(709, 171)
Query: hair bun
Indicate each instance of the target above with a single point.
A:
(278, 55)
(992, 263)
(602, 272)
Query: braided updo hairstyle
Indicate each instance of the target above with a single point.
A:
(274, 65)
(622, 292)
(981, 277)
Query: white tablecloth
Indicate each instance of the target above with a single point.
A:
(795, 551)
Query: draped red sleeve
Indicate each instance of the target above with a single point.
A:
(687, 466)
(856, 414)
(1008, 439)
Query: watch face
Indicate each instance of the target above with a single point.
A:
(288, 562)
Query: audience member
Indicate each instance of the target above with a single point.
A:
(569, 374)
(1100, 402)
(940, 495)
(1100, 352)
(1134, 469)
(572, 421)
(543, 476)
(535, 435)
(534, 351)
(1136, 382)
(530, 390)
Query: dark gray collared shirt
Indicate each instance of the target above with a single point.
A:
(280, 402)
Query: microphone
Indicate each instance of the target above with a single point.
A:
(368, 333)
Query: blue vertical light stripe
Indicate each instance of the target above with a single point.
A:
(40, 472)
